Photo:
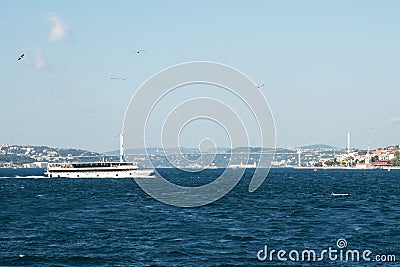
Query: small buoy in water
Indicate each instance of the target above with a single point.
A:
(340, 195)
(21, 255)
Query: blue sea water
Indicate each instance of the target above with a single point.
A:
(112, 222)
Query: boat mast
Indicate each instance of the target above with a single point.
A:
(121, 148)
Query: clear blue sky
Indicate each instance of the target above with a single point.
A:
(328, 66)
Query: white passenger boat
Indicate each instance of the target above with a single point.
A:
(119, 169)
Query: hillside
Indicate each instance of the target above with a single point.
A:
(21, 154)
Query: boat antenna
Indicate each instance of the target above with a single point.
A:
(121, 148)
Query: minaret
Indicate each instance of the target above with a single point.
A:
(368, 157)
(348, 142)
(121, 148)
(299, 154)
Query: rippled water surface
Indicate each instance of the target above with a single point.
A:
(97, 222)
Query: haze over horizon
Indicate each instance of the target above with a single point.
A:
(328, 67)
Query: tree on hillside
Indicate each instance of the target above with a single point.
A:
(396, 160)
(329, 163)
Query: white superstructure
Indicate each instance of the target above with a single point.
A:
(120, 169)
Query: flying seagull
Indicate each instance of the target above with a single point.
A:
(21, 56)
(139, 51)
(117, 78)
(259, 86)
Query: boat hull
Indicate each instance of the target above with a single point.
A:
(101, 174)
